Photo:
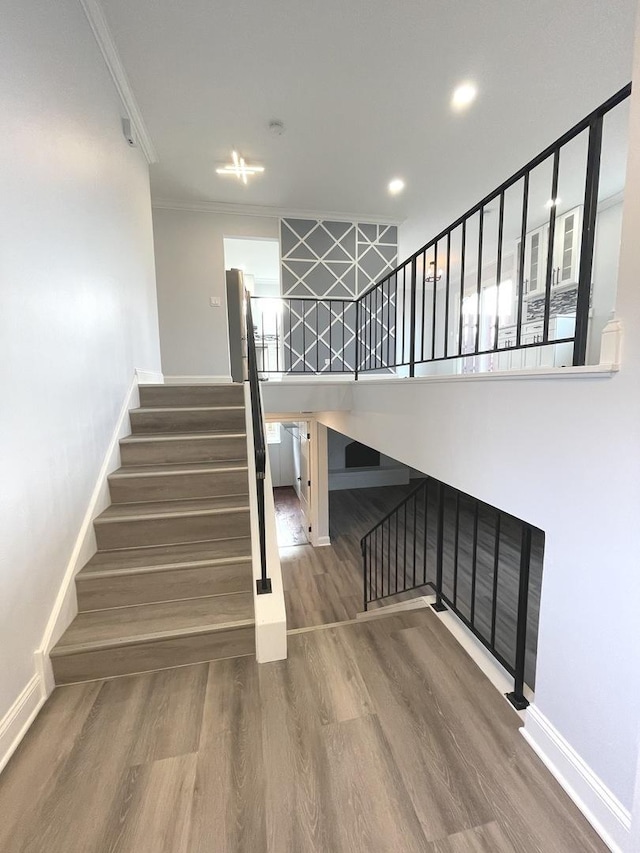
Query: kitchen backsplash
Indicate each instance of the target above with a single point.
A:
(561, 303)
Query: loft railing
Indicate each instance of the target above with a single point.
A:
(509, 277)
(483, 563)
(263, 584)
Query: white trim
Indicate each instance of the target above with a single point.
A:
(270, 610)
(15, 723)
(65, 607)
(149, 377)
(222, 379)
(612, 201)
(610, 819)
(267, 211)
(107, 45)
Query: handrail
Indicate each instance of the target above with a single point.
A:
(263, 584)
(407, 320)
(406, 550)
(570, 134)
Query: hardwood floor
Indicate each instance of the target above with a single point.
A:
(375, 736)
(324, 585)
(290, 521)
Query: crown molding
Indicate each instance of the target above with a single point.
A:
(265, 210)
(100, 27)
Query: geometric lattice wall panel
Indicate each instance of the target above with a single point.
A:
(377, 253)
(378, 318)
(325, 258)
(319, 337)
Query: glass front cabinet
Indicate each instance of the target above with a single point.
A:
(566, 254)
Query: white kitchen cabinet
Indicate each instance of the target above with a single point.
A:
(551, 355)
(566, 254)
(566, 248)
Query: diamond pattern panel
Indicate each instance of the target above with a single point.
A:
(332, 261)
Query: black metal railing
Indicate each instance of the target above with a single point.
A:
(483, 563)
(508, 278)
(296, 335)
(263, 584)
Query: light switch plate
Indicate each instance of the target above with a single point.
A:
(215, 301)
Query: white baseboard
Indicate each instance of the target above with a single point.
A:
(65, 607)
(149, 377)
(19, 717)
(198, 380)
(610, 819)
(321, 541)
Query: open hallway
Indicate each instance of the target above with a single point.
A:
(377, 736)
(324, 585)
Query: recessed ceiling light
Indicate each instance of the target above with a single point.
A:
(396, 186)
(463, 95)
(239, 168)
(553, 202)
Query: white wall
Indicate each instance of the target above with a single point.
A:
(389, 473)
(190, 268)
(281, 460)
(78, 303)
(605, 275)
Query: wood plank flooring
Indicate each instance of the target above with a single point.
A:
(324, 585)
(372, 737)
(290, 521)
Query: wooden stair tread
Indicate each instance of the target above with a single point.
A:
(159, 468)
(101, 629)
(181, 436)
(218, 552)
(148, 409)
(186, 386)
(173, 509)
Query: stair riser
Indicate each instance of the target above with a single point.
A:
(168, 585)
(160, 654)
(194, 395)
(170, 531)
(167, 487)
(184, 450)
(187, 421)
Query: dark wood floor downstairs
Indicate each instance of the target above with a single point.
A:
(380, 736)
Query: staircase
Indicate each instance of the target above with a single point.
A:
(171, 582)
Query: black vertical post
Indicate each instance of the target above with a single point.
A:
(434, 301)
(550, 244)
(588, 239)
(446, 303)
(438, 605)
(357, 341)
(479, 278)
(523, 243)
(363, 548)
(517, 698)
(499, 269)
(462, 251)
(264, 583)
(412, 329)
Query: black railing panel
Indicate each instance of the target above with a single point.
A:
(483, 563)
(263, 584)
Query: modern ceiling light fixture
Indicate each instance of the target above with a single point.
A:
(463, 95)
(239, 168)
(552, 202)
(396, 186)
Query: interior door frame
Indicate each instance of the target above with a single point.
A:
(318, 473)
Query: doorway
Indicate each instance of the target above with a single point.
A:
(288, 447)
(259, 260)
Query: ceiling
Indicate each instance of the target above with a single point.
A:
(363, 88)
